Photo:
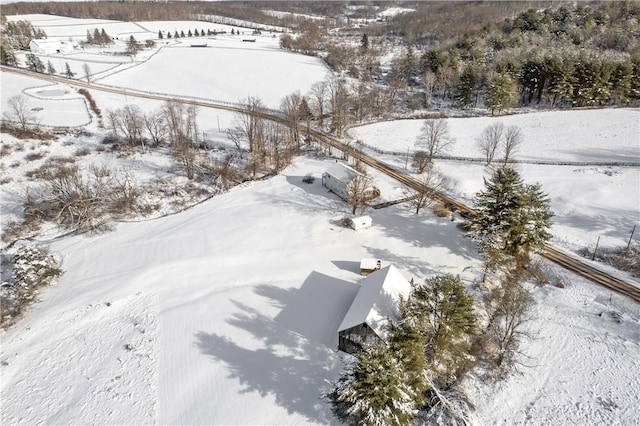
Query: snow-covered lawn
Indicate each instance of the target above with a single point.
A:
(240, 299)
(235, 303)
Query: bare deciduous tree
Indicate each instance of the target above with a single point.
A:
(128, 121)
(434, 138)
(360, 190)
(20, 111)
(509, 306)
(432, 182)
(156, 126)
(489, 140)
(319, 94)
(339, 103)
(290, 106)
(250, 124)
(513, 138)
(182, 130)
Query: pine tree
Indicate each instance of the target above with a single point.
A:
(374, 392)
(408, 342)
(106, 39)
(7, 54)
(176, 35)
(97, 37)
(444, 310)
(160, 36)
(466, 84)
(50, 68)
(513, 218)
(34, 63)
(182, 34)
(68, 73)
(500, 92)
(89, 37)
(132, 46)
(190, 34)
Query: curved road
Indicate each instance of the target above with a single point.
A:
(550, 252)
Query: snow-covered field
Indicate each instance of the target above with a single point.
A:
(590, 199)
(228, 312)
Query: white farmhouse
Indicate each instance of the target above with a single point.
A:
(337, 178)
(377, 300)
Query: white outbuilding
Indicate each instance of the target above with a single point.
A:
(360, 222)
(50, 47)
(337, 178)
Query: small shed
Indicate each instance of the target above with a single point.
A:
(361, 222)
(376, 301)
(368, 266)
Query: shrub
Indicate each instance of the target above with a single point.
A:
(33, 268)
(441, 211)
(308, 178)
(32, 156)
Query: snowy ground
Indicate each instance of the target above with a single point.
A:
(589, 198)
(227, 313)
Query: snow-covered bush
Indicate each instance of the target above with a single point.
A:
(32, 268)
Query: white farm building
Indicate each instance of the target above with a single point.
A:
(49, 47)
(337, 178)
(376, 301)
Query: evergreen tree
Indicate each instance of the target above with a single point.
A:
(466, 85)
(132, 46)
(89, 37)
(182, 34)
(168, 34)
(500, 92)
(105, 38)
(364, 42)
(408, 342)
(513, 218)
(68, 73)
(176, 35)
(444, 311)
(190, 34)
(160, 36)
(97, 37)
(7, 54)
(374, 392)
(34, 63)
(50, 68)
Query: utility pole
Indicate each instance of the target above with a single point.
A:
(632, 232)
(406, 160)
(596, 249)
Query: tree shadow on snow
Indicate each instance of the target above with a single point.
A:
(296, 362)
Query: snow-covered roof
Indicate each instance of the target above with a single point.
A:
(368, 263)
(45, 42)
(377, 300)
(361, 222)
(342, 172)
